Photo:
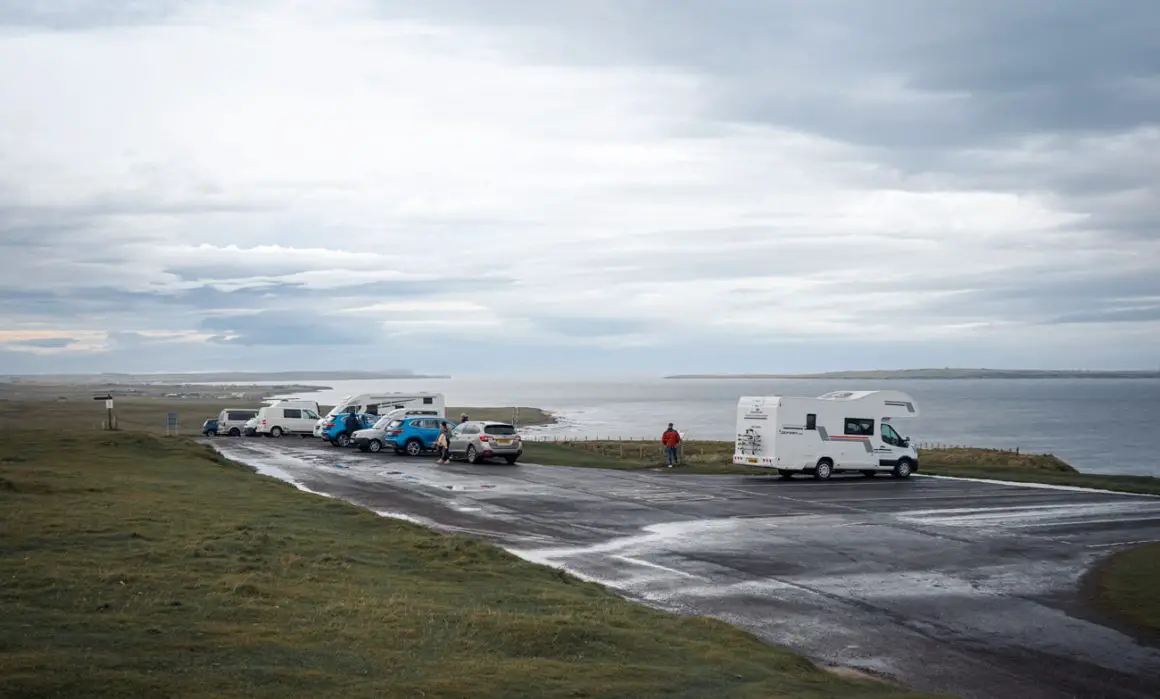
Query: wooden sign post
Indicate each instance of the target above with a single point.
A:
(108, 398)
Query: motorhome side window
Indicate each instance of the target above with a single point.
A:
(859, 426)
(428, 400)
(811, 421)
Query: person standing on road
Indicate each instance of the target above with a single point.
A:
(444, 444)
(672, 441)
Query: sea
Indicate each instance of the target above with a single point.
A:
(1096, 425)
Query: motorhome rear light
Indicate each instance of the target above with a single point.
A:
(263, 421)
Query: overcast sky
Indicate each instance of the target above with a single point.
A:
(595, 186)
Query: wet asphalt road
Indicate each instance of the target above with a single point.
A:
(945, 585)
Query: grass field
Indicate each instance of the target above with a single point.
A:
(716, 457)
(146, 414)
(139, 565)
(1124, 586)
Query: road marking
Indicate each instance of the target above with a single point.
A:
(1041, 486)
(1123, 543)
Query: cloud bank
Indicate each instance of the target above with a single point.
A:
(604, 186)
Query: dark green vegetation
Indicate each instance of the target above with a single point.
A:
(1125, 587)
(138, 565)
(947, 373)
(717, 457)
(147, 414)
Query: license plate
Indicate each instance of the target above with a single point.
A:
(503, 441)
(752, 460)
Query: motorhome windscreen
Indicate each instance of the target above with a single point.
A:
(499, 429)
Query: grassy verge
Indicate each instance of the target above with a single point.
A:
(137, 565)
(147, 414)
(716, 457)
(1124, 587)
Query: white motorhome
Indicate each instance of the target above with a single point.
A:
(837, 432)
(383, 403)
(311, 405)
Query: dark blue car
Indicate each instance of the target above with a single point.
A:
(209, 427)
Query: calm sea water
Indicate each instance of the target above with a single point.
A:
(1097, 425)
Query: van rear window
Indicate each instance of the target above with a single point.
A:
(499, 429)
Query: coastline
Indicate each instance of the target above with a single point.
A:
(940, 374)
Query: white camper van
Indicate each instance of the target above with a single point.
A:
(838, 432)
(383, 403)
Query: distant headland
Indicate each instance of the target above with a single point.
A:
(947, 373)
(222, 377)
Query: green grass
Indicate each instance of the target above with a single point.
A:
(147, 414)
(138, 565)
(1125, 588)
(716, 457)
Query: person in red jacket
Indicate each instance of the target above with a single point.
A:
(671, 439)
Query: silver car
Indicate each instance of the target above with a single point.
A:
(479, 440)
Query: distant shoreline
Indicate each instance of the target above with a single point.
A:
(214, 378)
(940, 374)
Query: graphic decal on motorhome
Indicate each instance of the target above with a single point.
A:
(826, 437)
(901, 404)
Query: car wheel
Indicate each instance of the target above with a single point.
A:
(275, 431)
(342, 440)
(824, 470)
(903, 469)
(375, 446)
(869, 474)
(414, 447)
(472, 455)
(511, 460)
(235, 432)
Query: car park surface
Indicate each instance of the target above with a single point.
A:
(947, 585)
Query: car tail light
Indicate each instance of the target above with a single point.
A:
(394, 433)
(330, 424)
(484, 438)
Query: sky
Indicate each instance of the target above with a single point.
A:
(589, 187)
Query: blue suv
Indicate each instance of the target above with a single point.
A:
(413, 435)
(334, 429)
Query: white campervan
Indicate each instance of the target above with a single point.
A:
(383, 403)
(285, 418)
(837, 432)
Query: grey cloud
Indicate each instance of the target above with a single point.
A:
(1131, 315)
(84, 14)
(580, 326)
(45, 342)
(289, 328)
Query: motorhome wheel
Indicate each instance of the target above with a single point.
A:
(869, 473)
(903, 469)
(235, 432)
(824, 470)
(275, 431)
(786, 474)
